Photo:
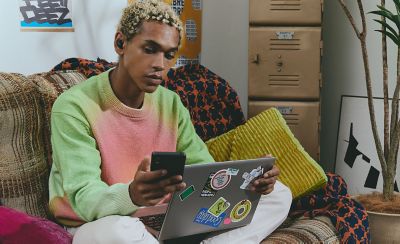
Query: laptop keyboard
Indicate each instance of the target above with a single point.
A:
(153, 221)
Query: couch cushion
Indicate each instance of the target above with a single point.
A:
(50, 85)
(23, 169)
(268, 133)
(305, 230)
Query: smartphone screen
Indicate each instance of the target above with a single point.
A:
(173, 162)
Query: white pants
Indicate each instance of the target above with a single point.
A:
(270, 213)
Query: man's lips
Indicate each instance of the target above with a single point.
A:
(155, 79)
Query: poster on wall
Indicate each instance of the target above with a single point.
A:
(190, 12)
(46, 15)
(356, 158)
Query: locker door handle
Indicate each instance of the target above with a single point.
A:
(256, 59)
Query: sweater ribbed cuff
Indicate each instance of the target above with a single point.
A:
(122, 199)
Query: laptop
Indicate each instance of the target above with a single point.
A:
(216, 197)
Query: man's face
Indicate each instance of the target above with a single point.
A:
(149, 55)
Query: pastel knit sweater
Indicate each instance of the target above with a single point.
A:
(98, 143)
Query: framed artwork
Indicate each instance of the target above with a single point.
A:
(356, 158)
(46, 15)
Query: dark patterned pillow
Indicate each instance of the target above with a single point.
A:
(213, 104)
(23, 169)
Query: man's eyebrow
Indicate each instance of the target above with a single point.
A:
(156, 44)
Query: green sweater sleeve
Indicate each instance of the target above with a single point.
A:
(189, 142)
(77, 159)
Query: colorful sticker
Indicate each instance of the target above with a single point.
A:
(240, 210)
(232, 171)
(205, 218)
(186, 193)
(220, 180)
(227, 221)
(207, 190)
(219, 207)
(248, 177)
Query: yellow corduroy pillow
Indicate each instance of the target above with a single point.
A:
(267, 133)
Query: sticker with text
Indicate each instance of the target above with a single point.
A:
(205, 218)
(232, 171)
(186, 193)
(240, 211)
(207, 190)
(248, 177)
(219, 207)
(220, 180)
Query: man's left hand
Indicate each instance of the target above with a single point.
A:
(265, 184)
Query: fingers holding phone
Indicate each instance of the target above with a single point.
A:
(149, 187)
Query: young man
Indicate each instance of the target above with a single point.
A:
(104, 130)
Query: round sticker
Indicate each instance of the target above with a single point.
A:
(240, 211)
(220, 179)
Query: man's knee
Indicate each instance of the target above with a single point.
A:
(280, 198)
(284, 193)
(113, 229)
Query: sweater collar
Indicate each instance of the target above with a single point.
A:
(111, 100)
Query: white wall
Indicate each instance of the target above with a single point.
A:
(95, 22)
(225, 42)
(343, 72)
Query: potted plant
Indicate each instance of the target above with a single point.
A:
(383, 208)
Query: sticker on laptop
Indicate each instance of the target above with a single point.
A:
(248, 177)
(187, 192)
(240, 211)
(232, 171)
(207, 190)
(227, 221)
(219, 207)
(205, 218)
(220, 179)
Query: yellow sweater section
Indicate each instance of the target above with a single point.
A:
(268, 133)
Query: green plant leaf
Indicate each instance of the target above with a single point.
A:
(391, 36)
(388, 15)
(385, 14)
(388, 27)
(397, 4)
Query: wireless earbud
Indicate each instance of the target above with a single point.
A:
(120, 43)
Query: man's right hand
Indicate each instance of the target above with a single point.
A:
(148, 189)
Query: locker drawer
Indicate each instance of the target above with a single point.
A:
(285, 12)
(301, 117)
(284, 62)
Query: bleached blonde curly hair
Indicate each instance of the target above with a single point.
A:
(147, 10)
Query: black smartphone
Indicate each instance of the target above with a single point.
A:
(173, 162)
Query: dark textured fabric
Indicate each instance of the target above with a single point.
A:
(213, 104)
(348, 216)
(17, 227)
(86, 67)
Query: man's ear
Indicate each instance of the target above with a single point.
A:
(119, 43)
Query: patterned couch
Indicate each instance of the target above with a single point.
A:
(25, 151)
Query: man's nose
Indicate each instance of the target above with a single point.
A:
(159, 62)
